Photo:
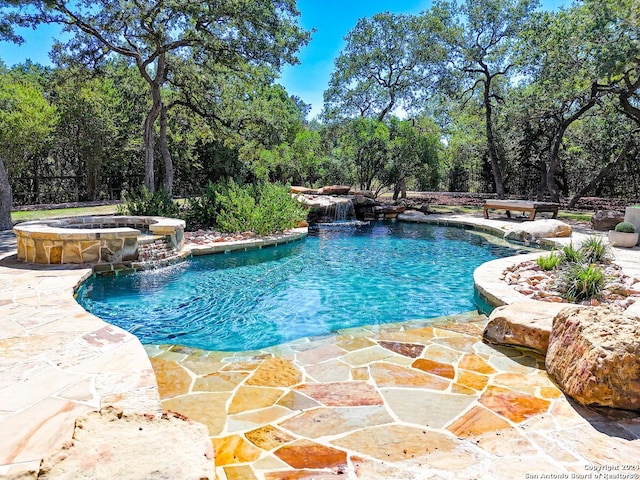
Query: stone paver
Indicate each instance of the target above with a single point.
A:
(402, 426)
(402, 401)
(57, 362)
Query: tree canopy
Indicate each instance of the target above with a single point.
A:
(176, 43)
(483, 96)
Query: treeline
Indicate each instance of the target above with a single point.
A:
(76, 135)
(540, 104)
(481, 96)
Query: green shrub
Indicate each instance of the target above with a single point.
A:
(571, 254)
(237, 209)
(594, 250)
(203, 211)
(625, 227)
(584, 282)
(276, 209)
(157, 204)
(548, 262)
(264, 209)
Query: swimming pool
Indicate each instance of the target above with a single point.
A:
(334, 279)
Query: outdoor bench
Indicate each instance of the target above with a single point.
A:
(525, 206)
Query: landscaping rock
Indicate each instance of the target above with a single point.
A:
(335, 190)
(298, 190)
(594, 356)
(364, 193)
(108, 445)
(530, 232)
(604, 220)
(363, 200)
(522, 324)
(413, 216)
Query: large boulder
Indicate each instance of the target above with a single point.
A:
(530, 232)
(297, 190)
(413, 216)
(522, 324)
(109, 444)
(335, 190)
(594, 356)
(604, 220)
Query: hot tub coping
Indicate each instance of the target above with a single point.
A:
(108, 238)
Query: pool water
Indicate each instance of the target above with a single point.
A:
(334, 279)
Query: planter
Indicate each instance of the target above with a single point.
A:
(623, 239)
(632, 215)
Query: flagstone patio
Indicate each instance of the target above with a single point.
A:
(402, 401)
(415, 400)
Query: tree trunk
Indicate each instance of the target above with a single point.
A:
(554, 162)
(542, 185)
(166, 155)
(149, 141)
(554, 158)
(400, 189)
(491, 143)
(604, 171)
(6, 199)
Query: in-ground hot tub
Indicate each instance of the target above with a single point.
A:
(99, 239)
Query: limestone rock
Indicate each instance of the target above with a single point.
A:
(522, 324)
(326, 208)
(108, 444)
(323, 201)
(391, 209)
(412, 216)
(335, 190)
(363, 200)
(594, 356)
(298, 190)
(364, 193)
(604, 220)
(528, 232)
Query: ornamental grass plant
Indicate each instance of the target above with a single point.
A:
(578, 271)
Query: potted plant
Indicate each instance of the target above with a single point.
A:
(632, 215)
(624, 235)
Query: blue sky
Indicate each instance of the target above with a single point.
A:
(332, 20)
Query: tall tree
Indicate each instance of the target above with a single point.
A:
(26, 122)
(160, 37)
(610, 28)
(564, 82)
(481, 35)
(6, 198)
(365, 145)
(413, 152)
(382, 67)
(614, 48)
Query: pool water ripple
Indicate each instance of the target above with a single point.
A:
(334, 279)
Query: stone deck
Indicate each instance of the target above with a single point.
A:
(407, 401)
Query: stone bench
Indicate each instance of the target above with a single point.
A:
(520, 206)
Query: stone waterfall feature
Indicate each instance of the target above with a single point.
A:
(329, 208)
(340, 203)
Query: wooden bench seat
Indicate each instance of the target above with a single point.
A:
(521, 206)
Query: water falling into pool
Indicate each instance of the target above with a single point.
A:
(334, 279)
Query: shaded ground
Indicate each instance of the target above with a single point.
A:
(477, 199)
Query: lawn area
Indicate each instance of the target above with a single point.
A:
(28, 215)
(464, 209)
